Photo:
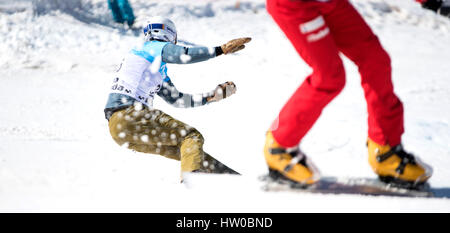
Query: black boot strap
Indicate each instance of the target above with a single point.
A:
(277, 151)
(406, 158)
(294, 153)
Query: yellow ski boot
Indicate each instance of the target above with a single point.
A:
(396, 166)
(288, 163)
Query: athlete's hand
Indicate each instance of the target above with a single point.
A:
(222, 91)
(235, 45)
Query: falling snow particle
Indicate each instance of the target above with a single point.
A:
(211, 50)
(156, 65)
(126, 145)
(138, 106)
(183, 132)
(144, 138)
(185, 58)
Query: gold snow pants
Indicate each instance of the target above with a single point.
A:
(152, 131)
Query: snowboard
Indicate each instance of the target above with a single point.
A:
(325, 185)
(212, 165)
(334, 185)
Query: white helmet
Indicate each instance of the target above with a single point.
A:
(159, 28)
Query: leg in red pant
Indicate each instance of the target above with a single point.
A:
(319, 30)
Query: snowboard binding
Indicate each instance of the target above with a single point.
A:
(399, 183)
(405, 159)
(276, 176)
(398, 168)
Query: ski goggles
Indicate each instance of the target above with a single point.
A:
(161, 26)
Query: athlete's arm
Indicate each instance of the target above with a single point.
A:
(178, 99)
(173, 53)
(171, 95)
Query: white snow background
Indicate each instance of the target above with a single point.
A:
(57, 61)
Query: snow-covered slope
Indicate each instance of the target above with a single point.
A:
(57, 59)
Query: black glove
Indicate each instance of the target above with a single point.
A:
(445, 8)
(433, 5)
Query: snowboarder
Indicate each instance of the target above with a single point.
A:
(122, 11)
(133, 121)
(319, 30)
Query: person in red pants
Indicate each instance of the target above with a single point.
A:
(319, 30)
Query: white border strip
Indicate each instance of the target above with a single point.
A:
(312, 25)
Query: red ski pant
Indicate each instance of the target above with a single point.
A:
(319, 31)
